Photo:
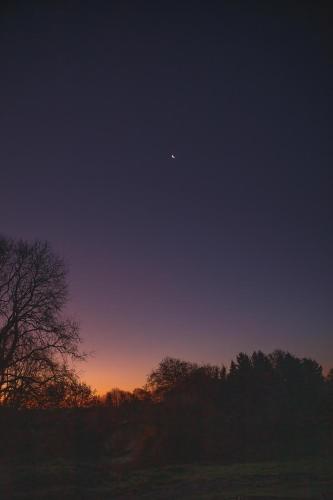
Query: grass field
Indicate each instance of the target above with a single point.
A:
(306, 479)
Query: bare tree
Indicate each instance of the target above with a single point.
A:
(36, 341)
(169, 375)
(116, 397)
(65, 392)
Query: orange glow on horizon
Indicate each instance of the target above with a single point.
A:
(102, 388)
(102, 380)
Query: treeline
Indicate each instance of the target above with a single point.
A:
(262, 407)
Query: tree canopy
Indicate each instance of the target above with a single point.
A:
(37, 342)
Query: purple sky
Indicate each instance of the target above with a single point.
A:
(226, 248)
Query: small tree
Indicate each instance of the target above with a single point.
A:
(36, 341)
(69, 392)
(118, 398)
(169, 375)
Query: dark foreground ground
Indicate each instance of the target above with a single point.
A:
(306, 479)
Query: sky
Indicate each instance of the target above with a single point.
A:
(225, 248)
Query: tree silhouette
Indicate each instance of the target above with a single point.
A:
(170, 374)
(117, 398)
(65, 392)
(36, 341)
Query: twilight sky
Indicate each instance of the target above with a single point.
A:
(227, 247)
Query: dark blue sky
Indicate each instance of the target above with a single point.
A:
(226, 248)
